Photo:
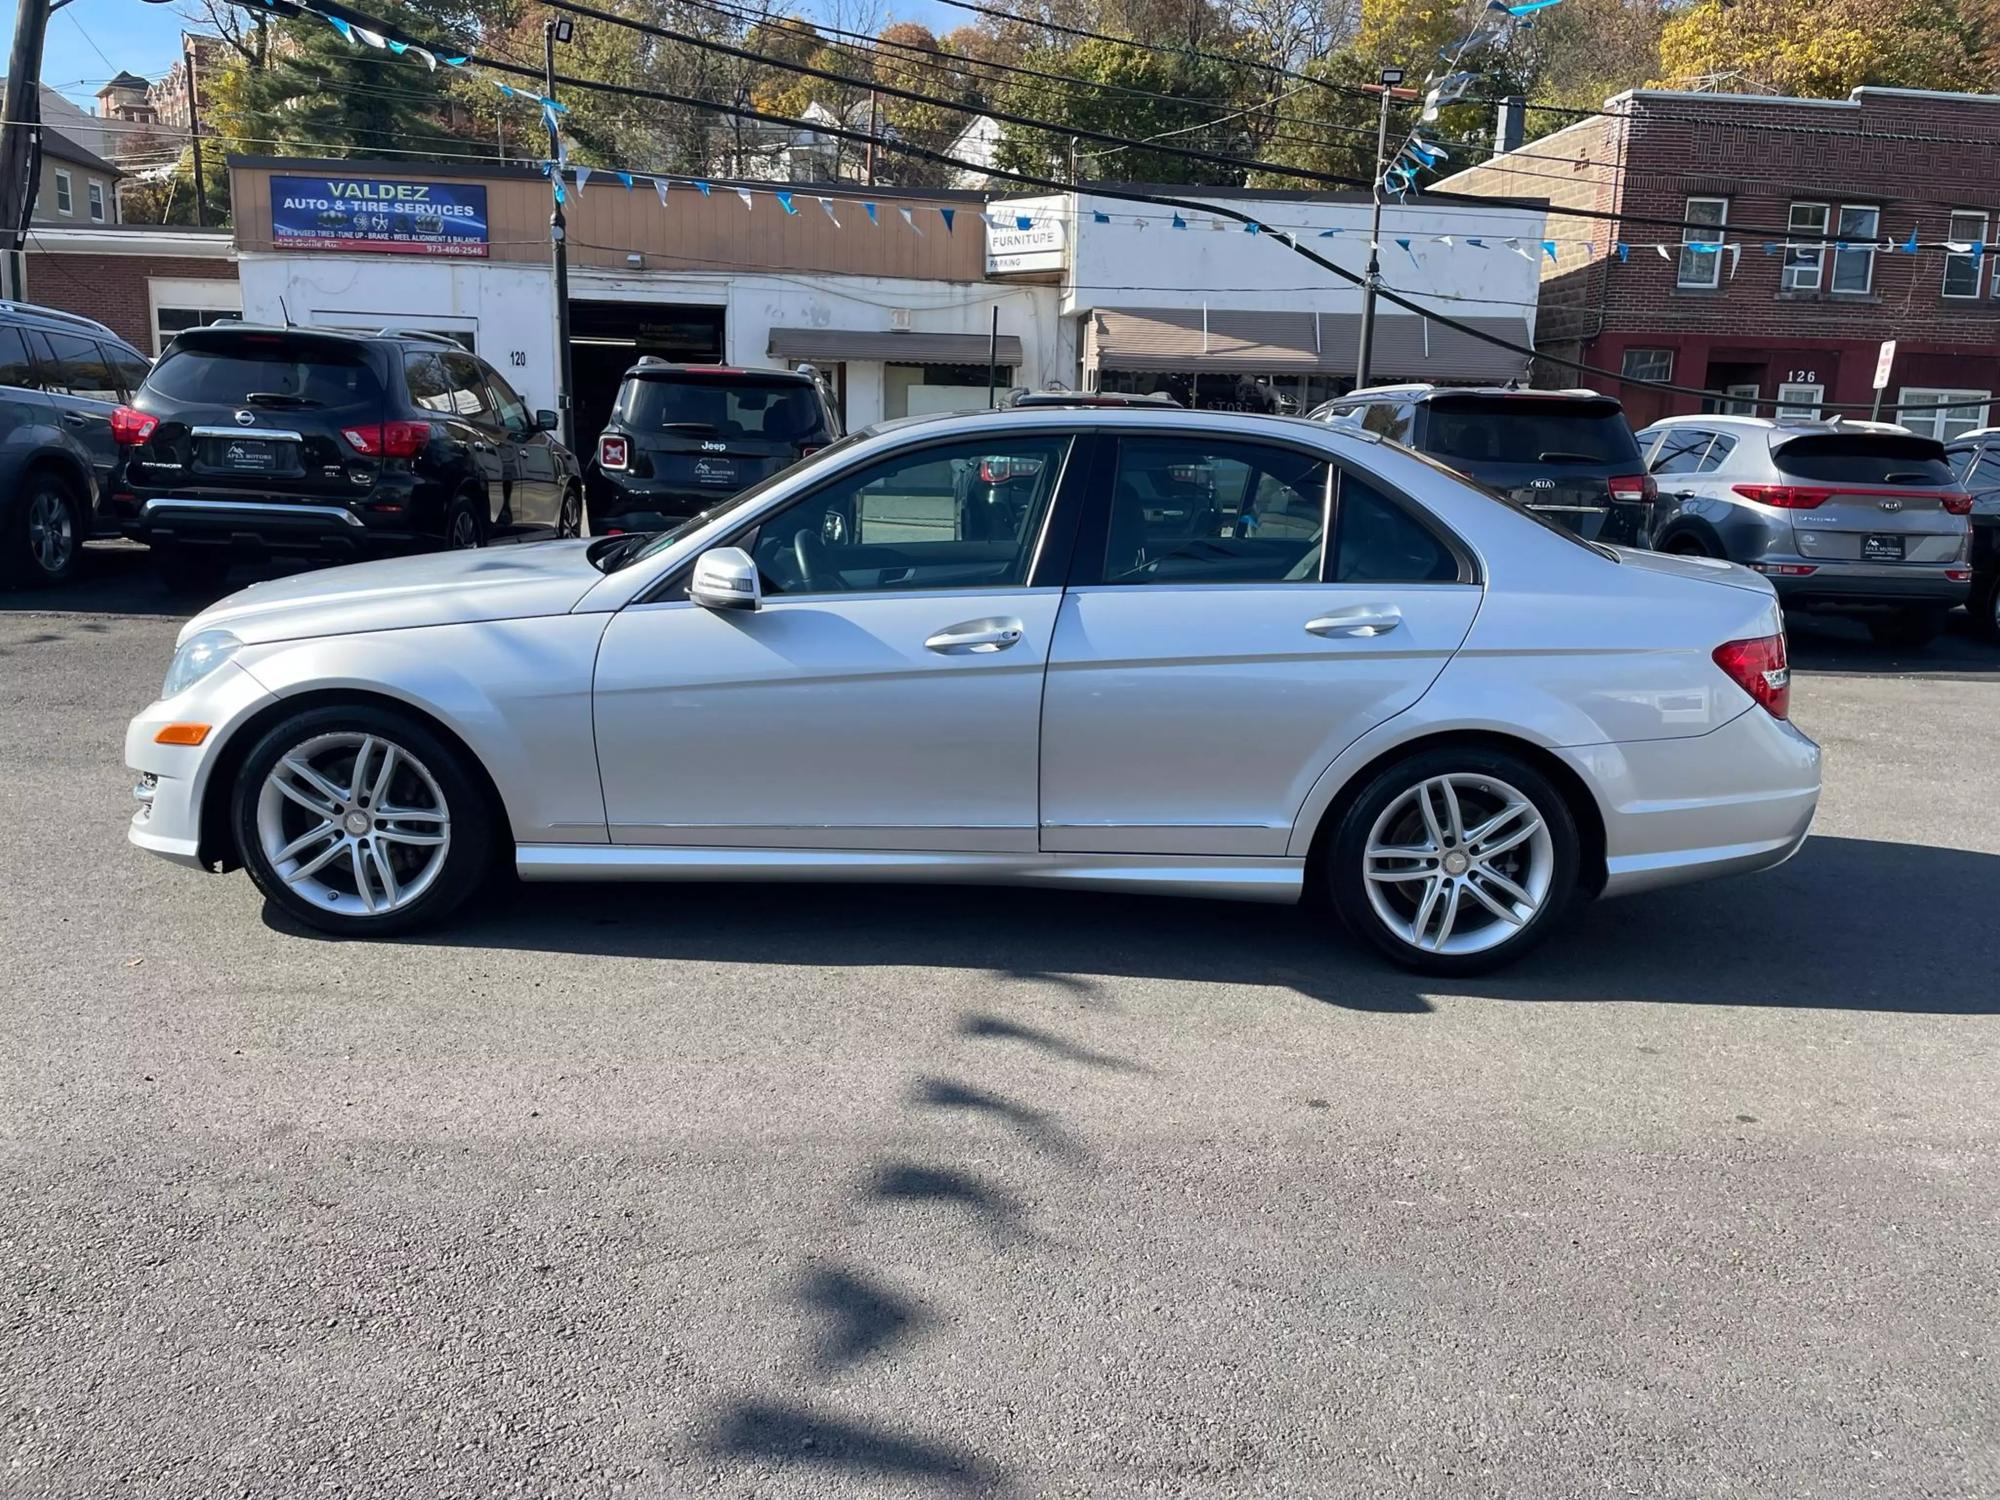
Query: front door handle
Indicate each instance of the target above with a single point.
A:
(975, 637)
(1363, 619)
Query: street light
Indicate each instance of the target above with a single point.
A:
(1365, 354)
(559, 29)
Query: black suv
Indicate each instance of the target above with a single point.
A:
(683, 437)
(246, 442)
(61, 378)
(1569, 456)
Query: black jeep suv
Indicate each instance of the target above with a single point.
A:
(246, 442)
(683, 437)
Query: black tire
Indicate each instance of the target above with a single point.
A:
(1984, 606)
(334, 905)
(41, 538)
(191, 570)
(464, 526)
(1343, 874)
(1687, 544)
(1907, 629)
(569, 519)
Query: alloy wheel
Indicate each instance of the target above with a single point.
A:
(354, 823)
(569, 523)
(464, 530)
(51, 531)
(1458, 864)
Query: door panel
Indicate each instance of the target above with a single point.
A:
(882, 721)
(1194, 720)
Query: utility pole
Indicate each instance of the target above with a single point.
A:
(558, 241)
(21, 144)
(874, 115)
(1365, 355)
(194, 131)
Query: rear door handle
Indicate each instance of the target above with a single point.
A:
(1362, 620)
(75, 418)
(975, 637)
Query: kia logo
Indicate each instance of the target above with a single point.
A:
(1890, 504)
(1541, 484)
(246, 419)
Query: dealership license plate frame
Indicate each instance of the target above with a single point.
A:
(1882, 546)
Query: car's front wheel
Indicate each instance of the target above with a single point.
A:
(1984, 605)
(1455, 861)
(361, 821)
(42, 540)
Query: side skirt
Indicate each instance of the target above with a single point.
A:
(1231, 879)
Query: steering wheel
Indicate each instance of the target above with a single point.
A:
(816, 570)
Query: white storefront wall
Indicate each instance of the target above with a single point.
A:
(508, 309)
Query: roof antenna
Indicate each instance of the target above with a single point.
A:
(286, 311)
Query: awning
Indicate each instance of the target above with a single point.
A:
(1187, 339)
(832, 345)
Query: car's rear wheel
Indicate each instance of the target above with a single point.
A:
(1687, 544)
(1984, 606)
(463, 526)
(569, 521)
(1455, 861)
(43, 541)
(361, 821)
(1907, 629)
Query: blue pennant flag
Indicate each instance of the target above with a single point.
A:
(626, 178)
(346, 31)
(1475, 242)
(1529, 7)
(561, 196)
(505, 88)
(1179, 222)
(870, 208)
(548, 114)
(948, 215)
(1910, 244)
(1099, 216)
(1624, 253)
(1411, 253)
(555, 104)
(1549, 246)
(1978, 249)
(785, 202)
(1837, 244)
(1253, 228)
(452, 62)
(1327, 234)
(399, 48)
(1023, 221)
(1770, 247)
(702, 188)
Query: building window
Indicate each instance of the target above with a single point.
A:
(1798, 399)
(96, 191)
(1803, 257)
(1702, 269)
(1739, 400)
(1647, 364)
(65, 195)
(1854, 267)
(168, 321)
(1961, 271)
(926, 390)
(1949, 413)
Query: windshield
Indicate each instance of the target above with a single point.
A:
(1865, 458)
(1522, 430)
(626, 550)
(726, 405)
(292, 372)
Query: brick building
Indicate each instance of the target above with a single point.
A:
(1779, 313)
(144, 281)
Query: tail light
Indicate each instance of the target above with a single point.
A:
(1006, 470)
(613, 452)
(130, 428)
(1786, 496)
(1634, 488)
(1761, 669)
(388, 439)
(1957, 504)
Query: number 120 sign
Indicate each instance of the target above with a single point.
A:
(380, 214)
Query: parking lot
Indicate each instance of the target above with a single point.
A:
(655, 1191)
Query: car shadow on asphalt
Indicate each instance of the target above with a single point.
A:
(1840, 646)
(1849, 924)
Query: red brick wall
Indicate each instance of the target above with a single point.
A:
(112, 288)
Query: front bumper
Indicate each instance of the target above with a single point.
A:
(172, 780)
(1737, 799)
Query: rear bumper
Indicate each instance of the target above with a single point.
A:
(262, 526)
(613, 506)
(1740, 798)
(1838, 586)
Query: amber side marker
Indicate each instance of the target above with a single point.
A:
(181, 734)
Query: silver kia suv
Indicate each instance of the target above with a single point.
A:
(1847, 516)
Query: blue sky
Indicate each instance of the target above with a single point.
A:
(89, 40)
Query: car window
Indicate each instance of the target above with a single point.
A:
(513, 410)
(1391, 419)
(469, 396)
(1718, 451)
(76, 366)
(726, 406)
(211, 367)
(1377, 541)
(1864, 458)
(430, 385)
(1985, 474)
(1682, 451)
(961, 515)
(16, 369)
(1188, 510)
(1529, 429)
(127, 367)
(1961, 461)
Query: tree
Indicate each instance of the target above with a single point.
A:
(1824, 48)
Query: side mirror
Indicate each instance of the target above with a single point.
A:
(546, 420)
(725, 578)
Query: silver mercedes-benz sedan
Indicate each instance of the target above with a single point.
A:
(1190, 653)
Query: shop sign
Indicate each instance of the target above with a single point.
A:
(1039, 247)
(379, 213)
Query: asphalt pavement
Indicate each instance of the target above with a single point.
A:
(764, 1191)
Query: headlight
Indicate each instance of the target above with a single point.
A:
(198, 656)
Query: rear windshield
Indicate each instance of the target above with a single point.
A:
(1865, 458)
(297, 372)
(723, 406)
(1518, 430)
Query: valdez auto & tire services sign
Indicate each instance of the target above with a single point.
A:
(379, 213)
